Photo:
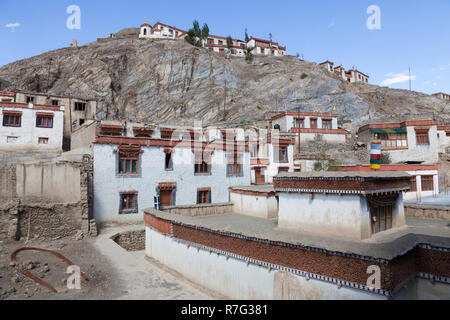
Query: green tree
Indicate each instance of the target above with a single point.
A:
(229, 43)
(195, 35)
(205, 32)
(246, 36)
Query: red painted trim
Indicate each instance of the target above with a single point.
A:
(307, 114)
(129, 192)
(399, 125)
(25, 106)
(259, 162)
(149, 142)
(253, 193)
(392, 167)
(323, 131)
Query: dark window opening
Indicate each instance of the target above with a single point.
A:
(12, 120)
(80, 106)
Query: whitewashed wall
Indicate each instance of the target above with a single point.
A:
(108, 184)
(297, 211)
(237, 280)
(255, 205)
(28, 134)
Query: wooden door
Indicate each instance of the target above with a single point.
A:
(165, 198)
(259, 176)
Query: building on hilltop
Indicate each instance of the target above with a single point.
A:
(161, 31)
(353, 75)
(214, 43)
(441, 95)
(266, 47)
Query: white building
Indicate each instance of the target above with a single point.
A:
(161, 31)
(405, 142)
(134, 164)
(310, 126)
(219, 44)
(28, 126)
(367, 202)
(353, 75)
(443, 133)
(441, 95)
(424, 178)
(266, 47)
(270, 156)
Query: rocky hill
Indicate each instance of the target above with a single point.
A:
(170, 81)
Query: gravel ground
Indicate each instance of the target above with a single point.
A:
(113, 272)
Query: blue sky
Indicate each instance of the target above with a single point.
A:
(413, 33)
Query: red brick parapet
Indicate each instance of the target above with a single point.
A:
(334, 267)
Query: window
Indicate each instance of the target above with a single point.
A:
(283, 154)
(313, 123)
(44, 121)
(128, 162)
(43, 140)
(12, 119)
(393, 141)
(55, 103)
(201, 165)
(30, 99)
(300, 123)
(220, 42)
(326, 124)
(427, 183)
(422, 137)
(235, 168)
(413, 184)
(166, 133)
(283, 169)
(168, 165)
(80, 106)
(204, 196)
(128, 202)
(11, 139)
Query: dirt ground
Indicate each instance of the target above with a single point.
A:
(113, 272)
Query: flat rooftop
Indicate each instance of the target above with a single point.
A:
(332, 175)
(263, 188)
(386, 245)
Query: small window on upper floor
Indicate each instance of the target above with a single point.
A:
(12, 119)
(80, 106)
(30, 99)
(44, 121)
(55, 103)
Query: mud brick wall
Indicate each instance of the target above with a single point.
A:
(8, 183)
(48, 221)
(428, 212)
(131, 240)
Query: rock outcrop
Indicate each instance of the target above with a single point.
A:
(170, 81)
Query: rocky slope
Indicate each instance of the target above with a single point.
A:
(172, 82)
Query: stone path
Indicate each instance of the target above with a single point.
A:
(140, 278)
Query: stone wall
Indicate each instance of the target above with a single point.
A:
(131, 240)
(428, 212)
(200, 210)
(37, 207)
